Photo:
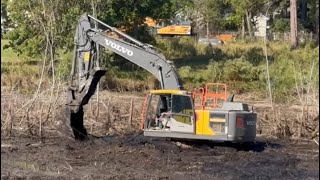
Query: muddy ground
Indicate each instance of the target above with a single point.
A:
(137, 157)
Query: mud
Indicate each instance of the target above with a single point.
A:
(137, 157)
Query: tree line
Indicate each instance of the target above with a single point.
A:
(43, 26)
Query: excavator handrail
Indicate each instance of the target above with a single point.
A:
(215, 96)
(205, 94)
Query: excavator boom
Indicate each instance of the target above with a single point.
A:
(169, 112)
(86, 71)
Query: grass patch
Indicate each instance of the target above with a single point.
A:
(8, 54)
(241, 65)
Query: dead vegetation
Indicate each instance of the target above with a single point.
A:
(114, 113)
(42, 116)
(288, 122)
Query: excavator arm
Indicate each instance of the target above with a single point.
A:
(86, 71)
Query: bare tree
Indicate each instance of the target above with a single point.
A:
(293, 24)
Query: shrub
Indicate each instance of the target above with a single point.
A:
(174, 48)
(214, 72)
(64, 65)
(240, 70)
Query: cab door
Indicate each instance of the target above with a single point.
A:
(182, 114)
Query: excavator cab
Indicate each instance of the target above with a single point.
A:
(170, 111)
(203, 114)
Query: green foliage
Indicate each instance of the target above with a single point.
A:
(42, 29)
(210, 9)
(5, 21)
(191, 77)
(60, 18)
(239, 70)
(240, 64)
(130, 14)
(36, 24)
(281, 25)
(292, 69)
(242, 67)
(233, 21)
(7, 54)
(255, 55)
(177, 47)
(214, 72)
(63, 65)
(241, 6)
(184, 72)
(210, 12)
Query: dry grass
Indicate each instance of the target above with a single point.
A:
(289, 121)
(20, 116)
(111, 115)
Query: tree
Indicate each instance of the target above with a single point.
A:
(293, 24)
(245, 10)
(207, 13)
(313, 17)
(130, 14)
(41, 22)
(4, 17)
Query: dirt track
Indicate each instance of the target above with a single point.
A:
(136, 157)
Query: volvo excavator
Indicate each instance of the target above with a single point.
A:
(169, 112)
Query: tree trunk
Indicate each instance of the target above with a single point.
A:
(207, 29)
(242, 28)
(317, 22)
(4, 18)
(94, 7)
(293, 24)
(248, 14)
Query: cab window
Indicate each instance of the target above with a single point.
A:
(182, 108)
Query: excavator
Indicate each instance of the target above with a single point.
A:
(169, 112)
(166, 28)
(183, 28)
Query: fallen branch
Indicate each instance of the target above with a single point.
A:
(7, 145)
(317, 142)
